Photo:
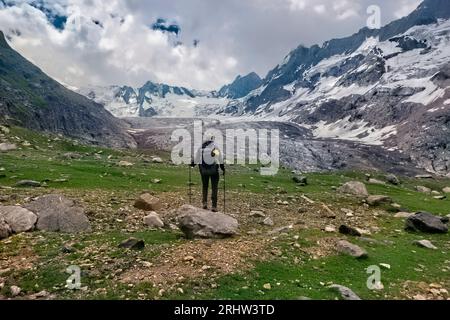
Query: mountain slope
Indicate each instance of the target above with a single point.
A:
(241, 86)
(385, 87)
(31, 99)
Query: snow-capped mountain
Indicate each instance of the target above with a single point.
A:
(155, 100)
(389, 87)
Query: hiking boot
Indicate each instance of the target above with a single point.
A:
(205, 207)
(214, 209)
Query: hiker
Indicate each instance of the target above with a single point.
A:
(209, 158)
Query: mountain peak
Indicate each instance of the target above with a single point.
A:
(438, 8)
(241, 86)
(3, 42)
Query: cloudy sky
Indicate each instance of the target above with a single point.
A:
(199, 44)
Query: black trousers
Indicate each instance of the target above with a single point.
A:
(214, 186)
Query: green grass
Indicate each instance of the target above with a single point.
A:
(98, 170)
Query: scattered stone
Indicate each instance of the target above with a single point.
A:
(157, 160)
(424, 176)
(284, 229)
(5, 230)
(195, 222)
(392, 179)
(72, 156)
(403, 214)
(19, 219)
(346, 293)
(349, 231)
(153, 220)
(440, 197)
(385, 265)
(147, 202)
(375, 181)
(15, 291)
(56, 213)
(268, 222)
(423, 189)
(300, 180)
(7, 147)
(354, 188)
(4, 130)
(156, 181)
(125, 164)
(267, 286)
(133, 243)
(425, 244)
(446, 190)
(28, 183)
(330, 229)
(426, 222)
(350, 249)
(378, 200)
(257, 214)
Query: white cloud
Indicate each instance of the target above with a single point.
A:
(236, 37)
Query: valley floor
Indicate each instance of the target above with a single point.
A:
(291, 259)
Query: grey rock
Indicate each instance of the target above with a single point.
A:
(424, 176)
(403, 214)
(257, 214)
(378, 200)
(426, 222)
(5, 230)
(7, 147)
(268, 222)
(425, 244)
(153, 220)
(28, 183)
(376, 181)
(300, 180)
(423, 189)
(147, 202)
(354, 188)
(15, 291)
(346, 293)
(446, 190)
(350, 249)
(133, 243)
(19, 219)
(391, 178)
(198, 223)
(349, 231)
(56, 213)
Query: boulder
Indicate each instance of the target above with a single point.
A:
(349, 231)
(425, 244)
(378, 200)
(350, 249)
(28, 183)
(346, 293)
(446, 190)
(19, 219)
(424, 176)
(7, 146)
(125, 164)
(376, 181)
(157, 160)
(423, 189)
(354, 188)
(392, 179)
(199, 223)
(153, 220)
(300, 180)
(147, 202)
(132, 243)
(5, 230)
(426, 222)
(56, 213)
(403, 214)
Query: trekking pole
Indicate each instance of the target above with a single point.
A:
(224, 198)
(190, 185)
